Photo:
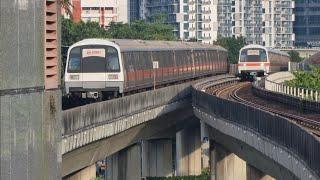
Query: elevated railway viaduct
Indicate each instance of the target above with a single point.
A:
(39, 141)
(270, 145)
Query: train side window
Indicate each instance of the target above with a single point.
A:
(74, 65)
(112, 60)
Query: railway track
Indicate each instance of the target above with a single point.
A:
(240, 92)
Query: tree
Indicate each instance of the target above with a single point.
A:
(306, 79)
(294, 55)
(142, 30)
(73, 32)
(233, 45)
(66, 5)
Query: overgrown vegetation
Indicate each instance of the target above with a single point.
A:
(205, 175)
(306, 79)
(295, 56)
(233, 45)
(74, 32)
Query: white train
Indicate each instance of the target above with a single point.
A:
(256, 60)
(100, 68)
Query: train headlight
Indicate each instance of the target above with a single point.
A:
(113, 76)
(261, 64)
(74, 77)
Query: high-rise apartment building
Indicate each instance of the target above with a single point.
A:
(264, 22)
(175, 11)
(102, 11)
(307, 23)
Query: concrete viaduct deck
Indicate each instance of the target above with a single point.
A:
(96, 131)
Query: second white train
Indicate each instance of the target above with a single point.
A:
(257, 61)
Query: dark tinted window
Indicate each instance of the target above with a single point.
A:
(93, 60)
(74, 65)
(253, 55)
(112, 60)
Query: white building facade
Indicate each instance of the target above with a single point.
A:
(263, 22)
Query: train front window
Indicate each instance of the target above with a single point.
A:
(93, 60)
(74, 65)
(112, 60)
(253, 55)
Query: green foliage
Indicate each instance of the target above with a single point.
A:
(74, 32)
(294, 55)
(233, 45)
(306, 79)
(205, 175)
(142, 30)
(97, 178)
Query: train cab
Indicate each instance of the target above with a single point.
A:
(253, 61)
(94, 69)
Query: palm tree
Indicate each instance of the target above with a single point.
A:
(66, 5)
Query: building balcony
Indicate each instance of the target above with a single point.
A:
(207, 38)
(206, 12)
(192, 2)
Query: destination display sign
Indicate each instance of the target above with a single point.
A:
(93, 52)
(251, 52)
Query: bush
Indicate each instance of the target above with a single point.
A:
(306, 79)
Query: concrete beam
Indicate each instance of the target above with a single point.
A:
(88, 173)
(255, 149)
(255, 174)
(98, 150)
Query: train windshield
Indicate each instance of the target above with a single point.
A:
(253, 55)
(94, 59)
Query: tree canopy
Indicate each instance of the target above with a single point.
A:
(294, 55)
(142, 30)
(73, 32)
(233, 45)
(306, 79)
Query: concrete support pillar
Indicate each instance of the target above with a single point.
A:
(124, 165)
(255, 174)
(229, 166)
(188, 152)
(205, 146)
(88, 173)
(157, 158)
(213, 163)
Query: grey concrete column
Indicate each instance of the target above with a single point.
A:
(125, 165)
(213, 162)
(229, 166)
(88, 173)
(188, 152)
(30, 115)
(205, 146)
(255, 174)
(112, 167)
(182, 161)
(157, 158)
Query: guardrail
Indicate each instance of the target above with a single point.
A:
(302, 93)
(259, 90)
(275, 83)
(85, 117)
(275, 128)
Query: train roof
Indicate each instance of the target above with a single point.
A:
(267, 49)
(143, 45)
